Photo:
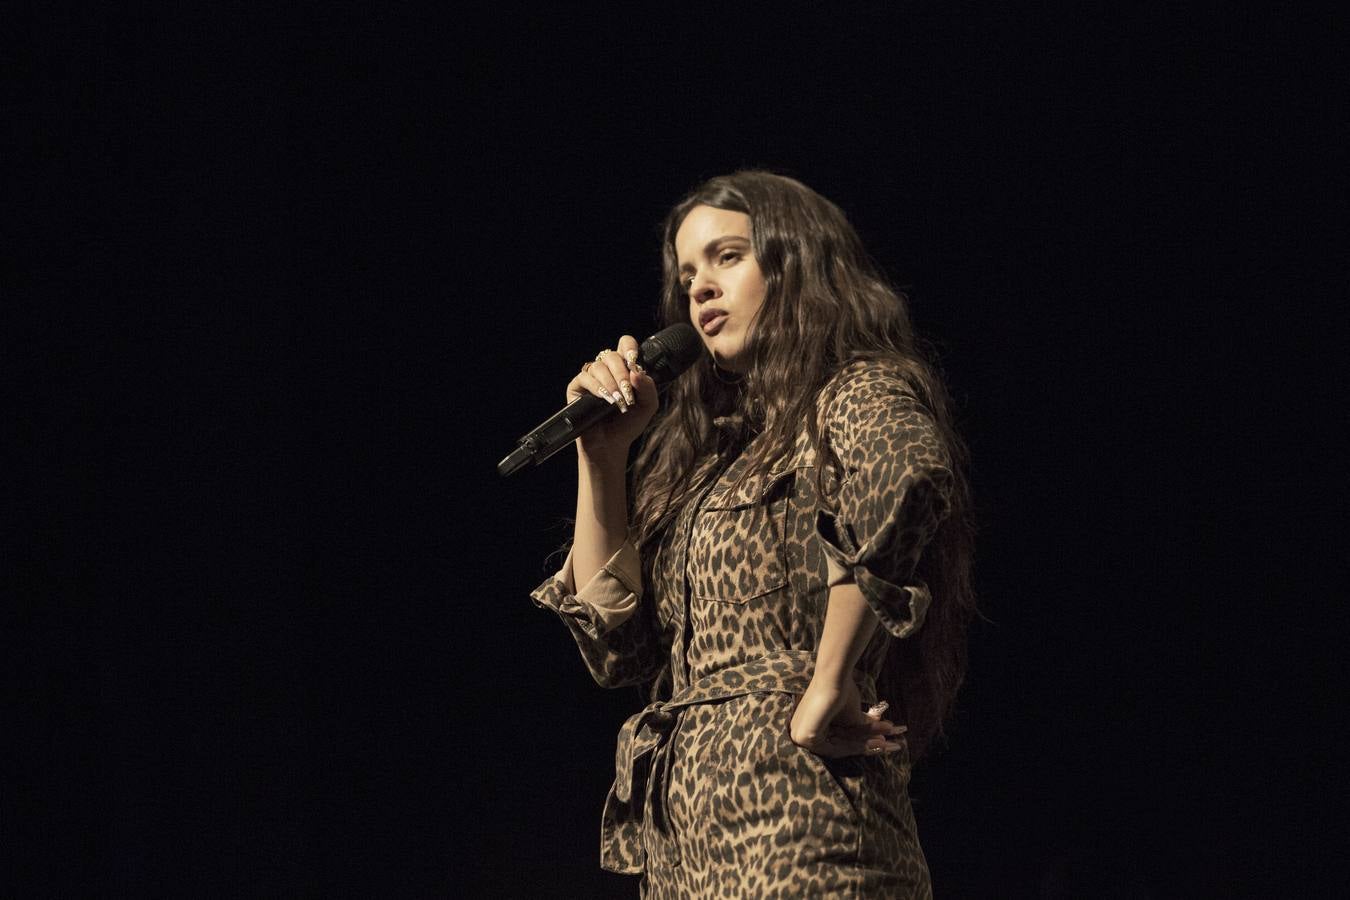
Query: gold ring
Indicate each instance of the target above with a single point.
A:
(602, 353)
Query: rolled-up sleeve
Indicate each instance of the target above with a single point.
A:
(895, 492)
(614, 632)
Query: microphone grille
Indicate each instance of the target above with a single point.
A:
(670, 351)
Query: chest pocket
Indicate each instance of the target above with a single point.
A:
(737, 550)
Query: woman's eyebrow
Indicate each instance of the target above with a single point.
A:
(711, 245)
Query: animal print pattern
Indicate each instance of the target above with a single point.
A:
(711, 797)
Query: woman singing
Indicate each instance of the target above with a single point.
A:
(788, 559)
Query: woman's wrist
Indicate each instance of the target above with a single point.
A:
(831, 672)
(603, 460)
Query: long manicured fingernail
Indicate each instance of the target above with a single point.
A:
(627, 392)
(618, 399)
(605, 397)
(631, 357)
(878, 709)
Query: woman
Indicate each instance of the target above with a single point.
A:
(797, 546)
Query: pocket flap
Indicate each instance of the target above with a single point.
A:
(727, 494)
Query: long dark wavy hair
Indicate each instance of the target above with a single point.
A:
(826, 305)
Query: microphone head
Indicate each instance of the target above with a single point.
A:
(670, 351)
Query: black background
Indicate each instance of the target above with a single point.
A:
(306, 276)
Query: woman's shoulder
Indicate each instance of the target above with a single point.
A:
(864, 378)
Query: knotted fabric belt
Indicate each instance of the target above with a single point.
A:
(643, 742)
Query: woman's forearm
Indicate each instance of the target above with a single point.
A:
(602, 514)
(849, 625)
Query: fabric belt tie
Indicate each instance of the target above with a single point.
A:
(644, 738)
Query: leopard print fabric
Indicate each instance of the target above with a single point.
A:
(711, 796)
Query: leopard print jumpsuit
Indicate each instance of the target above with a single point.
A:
(711, 797)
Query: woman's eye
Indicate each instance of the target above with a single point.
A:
(729, 255)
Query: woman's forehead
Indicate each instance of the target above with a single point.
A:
(706, 224)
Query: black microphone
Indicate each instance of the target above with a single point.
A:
(664, 355)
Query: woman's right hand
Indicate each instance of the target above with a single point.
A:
(615, 377)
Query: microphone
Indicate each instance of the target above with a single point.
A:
(664, 355)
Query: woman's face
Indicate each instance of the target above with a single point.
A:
(721, 277)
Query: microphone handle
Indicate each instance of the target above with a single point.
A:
(556, 433)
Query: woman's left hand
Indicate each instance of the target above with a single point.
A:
(829, 721)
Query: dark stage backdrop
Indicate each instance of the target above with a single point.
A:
(311, 273)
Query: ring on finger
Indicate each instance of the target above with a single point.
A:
(600, 356)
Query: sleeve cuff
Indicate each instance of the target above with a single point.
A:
(611, 596)
(899, 608)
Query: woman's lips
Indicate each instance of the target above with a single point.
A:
(714, 325)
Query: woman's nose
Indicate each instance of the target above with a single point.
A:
(702, 289)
